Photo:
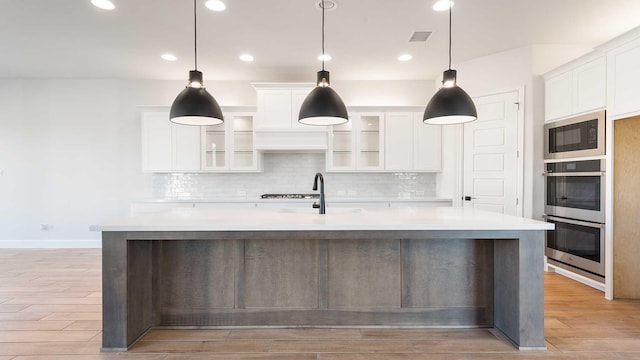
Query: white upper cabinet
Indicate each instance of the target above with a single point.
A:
(590, 84)
(357, 145)
(274, 109)
(399, 141)
(279, 105)
(385, 141)
(185, 147)
(167, 146)
(427, 145)
(297, 98)
(156, 142)
(559, 96)
(227, 147)
(624, 80)
(410, 144)
(578, 89)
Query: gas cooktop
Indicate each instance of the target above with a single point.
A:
(290, 196)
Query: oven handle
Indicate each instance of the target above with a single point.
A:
(594, 173)
(574, 222)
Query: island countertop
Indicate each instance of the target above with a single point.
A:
(336, 219)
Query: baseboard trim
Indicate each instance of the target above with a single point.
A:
(49, 244)
(577, 277)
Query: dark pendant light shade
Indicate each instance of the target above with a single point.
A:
(194, 105)
(450, 104)
(323, 106)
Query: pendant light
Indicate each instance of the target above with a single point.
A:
(194, 105)
(323, 106)
(451, 104)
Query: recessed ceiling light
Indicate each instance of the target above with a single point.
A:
(405, 57)
(442, 5)
(215, 5)
(103, 4)
(246, 57)
(325, 57)
(329, 5)
(169, 57)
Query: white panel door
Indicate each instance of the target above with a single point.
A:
(398, 141)
(491, 155)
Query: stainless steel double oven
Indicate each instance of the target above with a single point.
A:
(575, 194)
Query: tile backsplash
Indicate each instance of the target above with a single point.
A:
(293, 173)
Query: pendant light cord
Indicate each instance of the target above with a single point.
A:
(195, 35)
(450, 34)
(323, 6)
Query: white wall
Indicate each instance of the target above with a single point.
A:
(70, 149)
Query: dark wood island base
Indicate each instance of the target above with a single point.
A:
(412, 278)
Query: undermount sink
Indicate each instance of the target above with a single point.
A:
(310, 210)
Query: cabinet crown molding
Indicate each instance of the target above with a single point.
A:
(282, 85)
(577, 62)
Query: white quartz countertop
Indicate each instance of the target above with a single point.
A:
(260, 200)
(341, 219)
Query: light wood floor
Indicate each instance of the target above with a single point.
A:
(50, 309)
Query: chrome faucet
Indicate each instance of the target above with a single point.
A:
(320, 206)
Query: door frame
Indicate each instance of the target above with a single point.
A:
(520, 158)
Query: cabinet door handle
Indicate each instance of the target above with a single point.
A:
(467, 198)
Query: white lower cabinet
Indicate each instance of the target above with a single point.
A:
(419, 203)
(357, 204)
(286, 204)
(138, 208)
(151, 207)
(224, 204)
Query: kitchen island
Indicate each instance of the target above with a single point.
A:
(412, 267)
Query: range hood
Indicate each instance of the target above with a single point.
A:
(291, 140)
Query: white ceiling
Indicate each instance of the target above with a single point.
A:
(72, 38)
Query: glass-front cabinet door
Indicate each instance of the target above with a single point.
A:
(244, 157)
(342, 147)
(229, 146)
(358, 144)
(214, 147)
(370, 141)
